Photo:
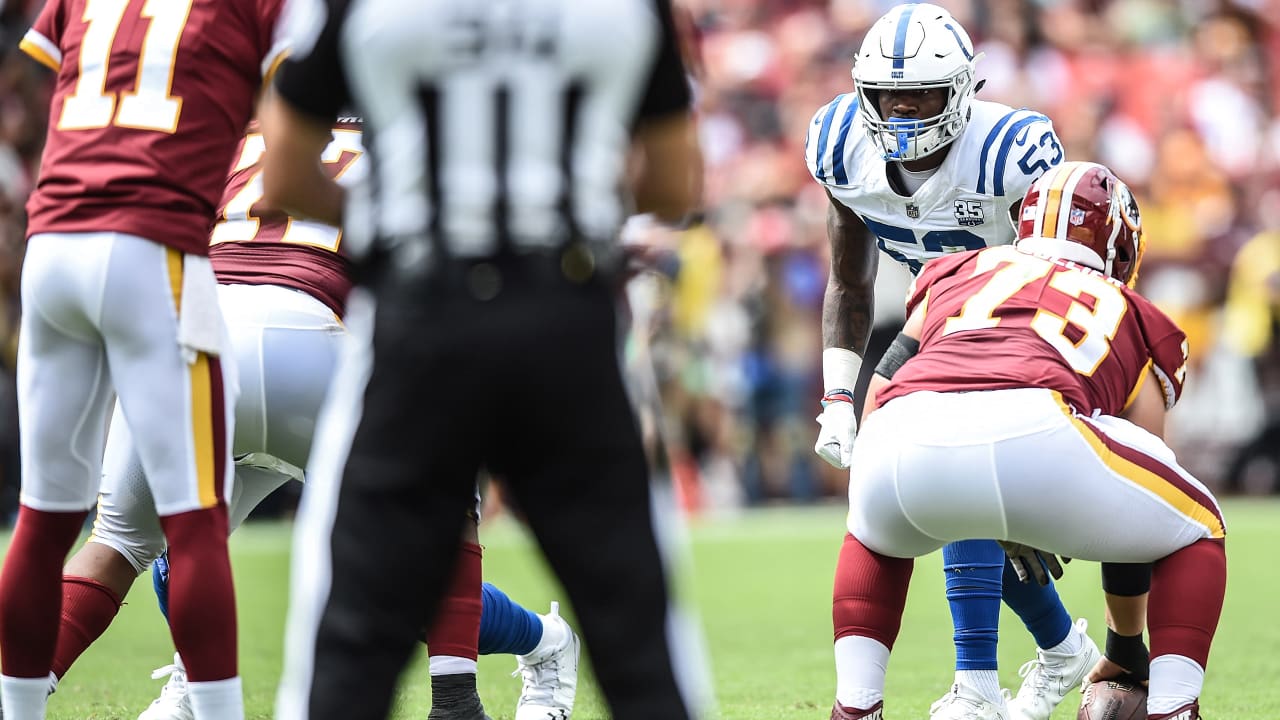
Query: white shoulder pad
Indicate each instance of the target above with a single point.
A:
(829, 143)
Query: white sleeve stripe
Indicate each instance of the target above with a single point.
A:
(823, 159)
(839, 165)
(819, 144)
(986, 160)
(1006, 145)
(996, 147)
(811, 143)
(45, 44)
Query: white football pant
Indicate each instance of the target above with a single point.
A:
(101, 313)
(932, 468)
(285, 344)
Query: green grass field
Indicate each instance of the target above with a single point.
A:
(762, 584)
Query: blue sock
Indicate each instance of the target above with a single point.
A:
(972, 569)
(505, 627)
(1038, 607)
(160, 582)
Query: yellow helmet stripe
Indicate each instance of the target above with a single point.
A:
(1055, 213)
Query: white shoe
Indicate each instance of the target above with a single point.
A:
(964, 703)
(550, 675)
(173, 703)
(1051, 676)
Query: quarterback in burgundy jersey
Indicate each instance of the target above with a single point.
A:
(1024, 401)
(119, 300)
(140, 137)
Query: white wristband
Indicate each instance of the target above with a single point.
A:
(840, 369)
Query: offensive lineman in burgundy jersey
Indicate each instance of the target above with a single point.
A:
(118, 298)
(1024, 401)
(253, 246)
(1012, 354)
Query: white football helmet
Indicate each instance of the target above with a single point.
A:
(915, 46)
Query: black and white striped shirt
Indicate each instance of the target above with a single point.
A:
(492, 124)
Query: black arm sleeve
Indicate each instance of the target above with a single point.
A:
(904, 348)
(667, 91)
(312, 80)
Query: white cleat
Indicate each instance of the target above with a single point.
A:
(550, 675)
(964, 703)
(1052, 676)
(173, 703)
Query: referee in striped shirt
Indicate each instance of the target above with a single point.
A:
(508, 140)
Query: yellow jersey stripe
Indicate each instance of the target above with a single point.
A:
(1142, 379)
(271, 63)
(31, 47)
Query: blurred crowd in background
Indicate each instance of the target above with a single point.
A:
(1180, 97)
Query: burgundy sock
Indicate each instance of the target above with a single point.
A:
(88, 607)
(202, 602)
(456, 630)
(870, 593)
(1186, 600)
(31, 589)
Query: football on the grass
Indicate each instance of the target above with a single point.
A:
(1113, 700)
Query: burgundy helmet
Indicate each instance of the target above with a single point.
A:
(1084, 203)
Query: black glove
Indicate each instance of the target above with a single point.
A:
(1029, 562)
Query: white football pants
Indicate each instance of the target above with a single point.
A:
(931, 468)
(101, 313)
(285, 344)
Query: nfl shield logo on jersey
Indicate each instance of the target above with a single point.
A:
(1077, 216)
(913, 211)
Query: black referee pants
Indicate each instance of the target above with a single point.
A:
(526, 383)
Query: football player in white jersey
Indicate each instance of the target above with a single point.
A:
(916, 166)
